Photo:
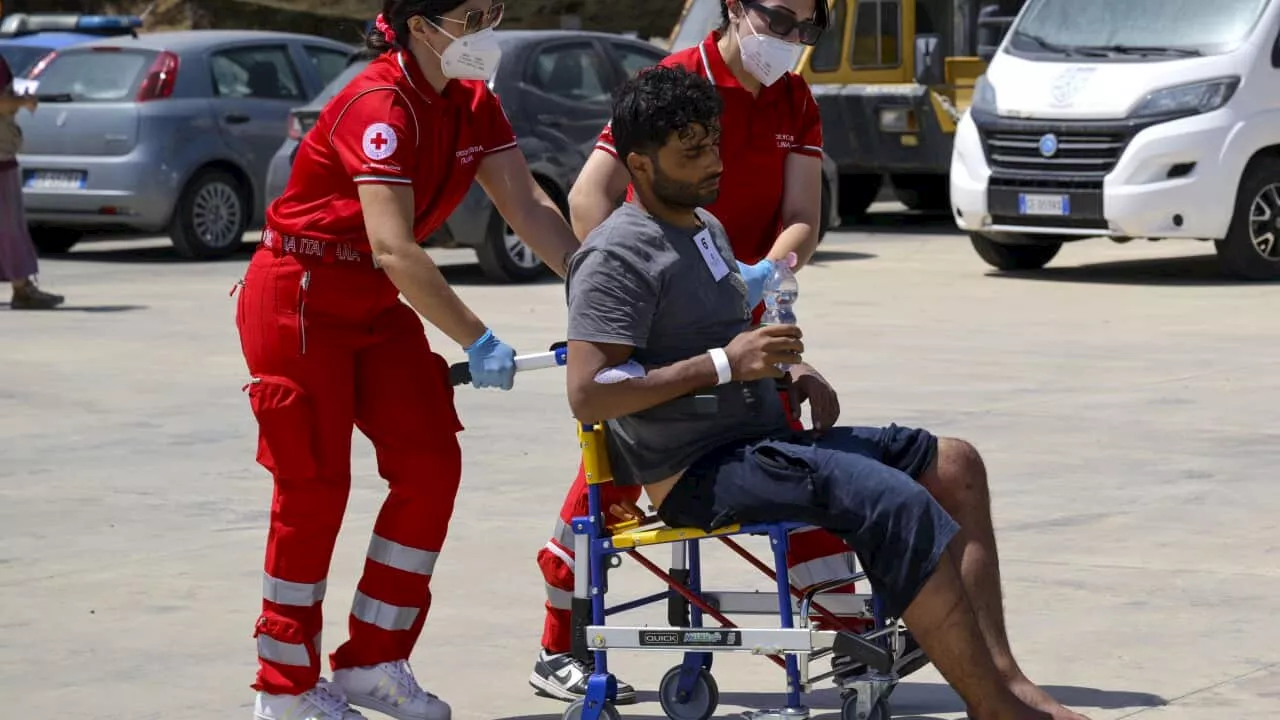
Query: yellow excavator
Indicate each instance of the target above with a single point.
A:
(892, 78)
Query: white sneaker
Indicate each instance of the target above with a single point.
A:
(322, 702)
(391, 689)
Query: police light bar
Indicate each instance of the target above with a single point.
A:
(26, 24)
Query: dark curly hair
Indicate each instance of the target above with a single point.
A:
(821, 14)
(397, 14)
(660, 101)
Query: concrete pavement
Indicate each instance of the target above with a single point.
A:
(1125, 401)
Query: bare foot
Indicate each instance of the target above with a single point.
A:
(1035, 696)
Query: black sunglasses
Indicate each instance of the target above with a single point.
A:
(477, 20)
(783, 23)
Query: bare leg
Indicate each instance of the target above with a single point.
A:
(943, 622)
(959, 482)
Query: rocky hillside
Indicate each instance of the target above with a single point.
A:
(344, 19)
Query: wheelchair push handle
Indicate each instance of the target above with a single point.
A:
(557, 356)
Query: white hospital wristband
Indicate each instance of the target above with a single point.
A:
(723, 371)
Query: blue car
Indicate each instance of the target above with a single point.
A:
(26, 40)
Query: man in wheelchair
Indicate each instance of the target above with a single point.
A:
(658, 314)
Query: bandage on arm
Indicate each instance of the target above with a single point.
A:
(629, 370)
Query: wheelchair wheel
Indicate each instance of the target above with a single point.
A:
(849, 709)
(577, 708)
(701, 702)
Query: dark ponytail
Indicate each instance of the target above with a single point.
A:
(390, 30)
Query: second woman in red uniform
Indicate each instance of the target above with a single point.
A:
(330, 345)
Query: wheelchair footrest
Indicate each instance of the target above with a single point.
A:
(757, 641)
(863, 651)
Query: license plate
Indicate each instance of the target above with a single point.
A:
(55, 180)
(1044, 204)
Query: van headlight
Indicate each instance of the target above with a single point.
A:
(984, 96)
(1190, 99)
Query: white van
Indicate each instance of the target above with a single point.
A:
(1126, 119)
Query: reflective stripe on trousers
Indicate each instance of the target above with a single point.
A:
(283, 592)
(382, 614)
(402, 557)
(278, 651)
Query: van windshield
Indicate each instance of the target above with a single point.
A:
(1125, 28)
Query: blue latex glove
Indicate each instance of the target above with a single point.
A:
(755, 277)
(493, 362)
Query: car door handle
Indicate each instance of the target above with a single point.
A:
(236, 119)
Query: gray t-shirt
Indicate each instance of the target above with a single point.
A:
(640, 282)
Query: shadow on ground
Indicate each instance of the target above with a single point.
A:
(911, 701)
(905, 221)
(87, 308)
(1185, 271)
(142, 254)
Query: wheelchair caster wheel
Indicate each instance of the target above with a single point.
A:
(701, 703)
(849, 709)
(577, 710)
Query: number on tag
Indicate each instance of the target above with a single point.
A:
(1044, 204)
(56, 180)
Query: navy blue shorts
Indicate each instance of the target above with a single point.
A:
(860, 483)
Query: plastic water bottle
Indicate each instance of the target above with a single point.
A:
(780, 292)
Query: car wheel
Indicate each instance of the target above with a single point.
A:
(1251, 249)
(503, 255)
(1030, 253)
(54, 241)
(211, 217)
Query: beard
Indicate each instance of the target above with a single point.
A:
(677, 194)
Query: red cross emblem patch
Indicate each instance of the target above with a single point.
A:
(379, 141)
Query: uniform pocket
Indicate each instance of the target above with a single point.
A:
(286, 426)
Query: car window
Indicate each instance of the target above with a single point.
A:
(634, 59)
(263, 73)
(94, 76)
(826, 54)
(21, 58)
(329, 63)
(571, 72)
(335, 87)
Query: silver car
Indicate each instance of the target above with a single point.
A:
(165, 132)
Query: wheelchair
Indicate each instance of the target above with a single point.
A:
(688, 691)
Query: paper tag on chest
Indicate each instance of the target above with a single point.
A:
(711, 255)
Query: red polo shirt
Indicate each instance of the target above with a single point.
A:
(757, 135)
(388, 125)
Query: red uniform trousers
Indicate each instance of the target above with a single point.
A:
(814, 555)
(331, 347)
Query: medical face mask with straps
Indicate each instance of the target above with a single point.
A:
(470, 57)
(767, 58)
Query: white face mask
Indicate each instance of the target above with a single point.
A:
(767, 58)
(471, 57)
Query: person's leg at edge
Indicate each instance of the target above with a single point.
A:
(903, 536)
(958, 479)
(303, 403)
(18, 260)
(556, 673)
(404, 405)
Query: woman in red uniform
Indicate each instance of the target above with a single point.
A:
(770, 204)
(329, 346)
